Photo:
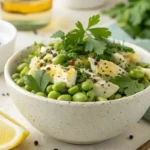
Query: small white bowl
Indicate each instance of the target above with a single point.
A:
(7, 42)
(78, 122)
(82, 4)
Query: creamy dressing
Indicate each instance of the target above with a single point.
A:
(4, 38)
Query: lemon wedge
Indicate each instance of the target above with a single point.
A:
(11, 132)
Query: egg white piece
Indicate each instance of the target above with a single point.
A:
(58, 73)
(45, 48)
(34, 65)
(102, 87)
(120, 60)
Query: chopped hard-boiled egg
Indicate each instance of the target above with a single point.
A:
(106, 68)
(105, 88)
(131, 57)
(48, 57)
(45, 48)
(34, 65)
(102, 87)
(120, 60)
(58, 73)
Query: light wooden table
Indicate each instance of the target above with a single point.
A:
(64, 19)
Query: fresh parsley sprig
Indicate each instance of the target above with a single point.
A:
(130, 85)
(38, 82)
(90, 38)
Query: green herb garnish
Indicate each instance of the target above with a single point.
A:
(39, 82)
(130, 85)
(90, 39)
(133, 17)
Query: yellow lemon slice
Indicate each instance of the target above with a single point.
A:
(11, 132)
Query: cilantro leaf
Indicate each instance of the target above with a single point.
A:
(39, 81)
(31, 82)
(97, 46)
(93, 20)
(100, 32)
(58, 34)
(130, 85)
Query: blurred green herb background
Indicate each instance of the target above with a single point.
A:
(133, 17)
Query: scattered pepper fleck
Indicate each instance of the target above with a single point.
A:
(36, 143)
(131, 137)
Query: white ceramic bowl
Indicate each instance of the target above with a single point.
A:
(82, 4)
(7, 40)
(78, 122)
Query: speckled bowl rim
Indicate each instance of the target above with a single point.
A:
(40, 98)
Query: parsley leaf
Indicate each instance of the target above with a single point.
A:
(130, 85)
(134, 88)
(39, 81)
(58, 34)
(93, 20)
(31, 82)
(80, 26)
(100, 32)
(97, 46)
(132, 17)
(80, 40)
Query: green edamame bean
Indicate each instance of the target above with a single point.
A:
(34, 92)
(65, 97)
(90, 95)
(53, 94)
(121, 91)
(136, 74)
(57, 46)
(60, 87)
(73, 90)
(112, 97)
(24, 71)
(21, 66)
(142, 64)
(59, 59)
(118, 96)
(15, 75)
(15, 80)
(83, 92)
(20, 82)
(49, 88)
(79, 97)
(41, 94)
(27, 88)
(145, 82)
(100, 98)
(87, 85)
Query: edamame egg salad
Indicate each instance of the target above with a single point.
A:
(82, 66)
